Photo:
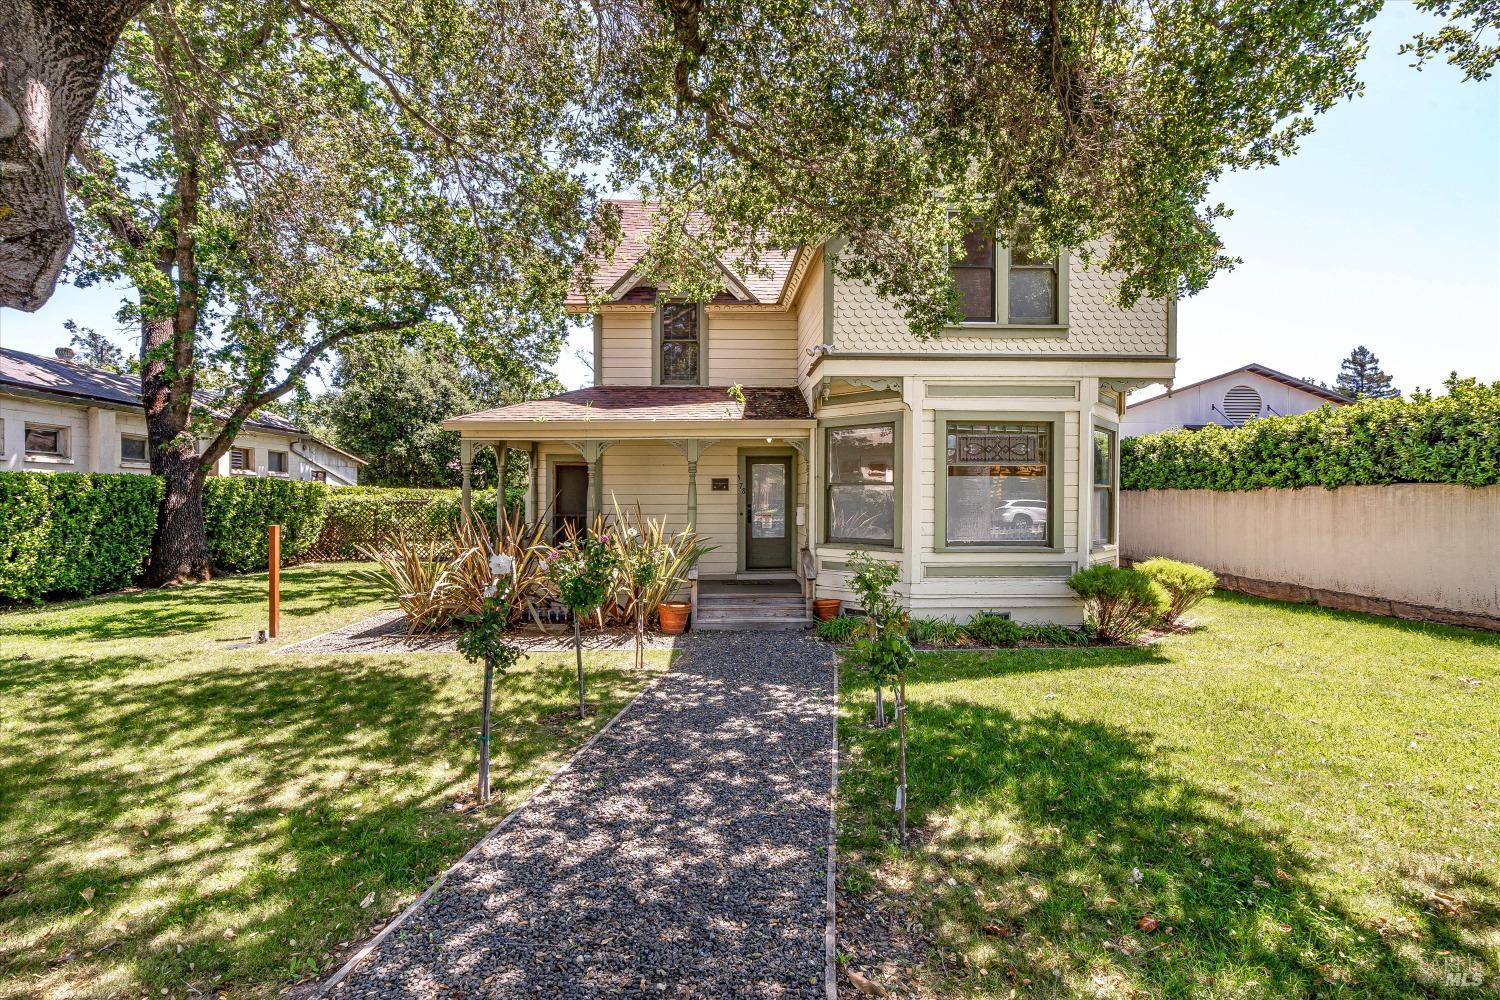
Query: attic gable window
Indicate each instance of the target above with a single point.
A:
(974, 275)
(1010, 286)
(1033, 288)
(680, 345)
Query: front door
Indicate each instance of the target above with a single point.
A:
(570, 501)
(768, 529)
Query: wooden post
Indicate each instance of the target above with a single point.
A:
(275, 567)
(901, 740)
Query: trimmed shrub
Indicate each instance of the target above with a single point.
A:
(990, 629)
(1184, 583)
(74, 533)
(237, 510)
(1122, 603)
(1443, 439)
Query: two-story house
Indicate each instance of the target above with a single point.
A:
(985, 463)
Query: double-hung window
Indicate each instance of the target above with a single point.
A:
(681, 344)
(1009, 286)
(861, 483)
(997, 484)
(1105, 497)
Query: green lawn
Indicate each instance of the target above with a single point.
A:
(181, 817)
(1309, 797)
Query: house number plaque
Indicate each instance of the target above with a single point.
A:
(721, 485)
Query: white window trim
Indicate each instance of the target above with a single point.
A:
(1114, 488)
(64, 454)
(284, 473)
(136, 463)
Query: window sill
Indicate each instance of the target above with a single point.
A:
(1010, 329)
(992, 549)
(834, 543)
(127, 464)
(48, 459)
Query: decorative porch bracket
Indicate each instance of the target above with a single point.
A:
(692, 449)
(593, 454)
(876, 387)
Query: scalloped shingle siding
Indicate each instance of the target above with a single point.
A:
(864, 322)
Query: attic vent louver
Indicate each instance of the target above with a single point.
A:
(1241, 403)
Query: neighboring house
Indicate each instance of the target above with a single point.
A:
(1228, 400)
(60, 416)
(985, 463)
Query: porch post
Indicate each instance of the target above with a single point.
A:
(530, 496)
(466, 462)
(593, 454)
(692, 449)
(502, 451)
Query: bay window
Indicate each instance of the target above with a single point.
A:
(997, 484)
(861, 483)
(1105, 496)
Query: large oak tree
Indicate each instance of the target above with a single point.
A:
(275, 180)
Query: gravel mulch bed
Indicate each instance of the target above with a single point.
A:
(386, 633)
(682, 854)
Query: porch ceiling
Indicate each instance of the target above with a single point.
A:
(637, 411)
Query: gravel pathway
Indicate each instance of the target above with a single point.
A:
(683, 854)
(385, 632)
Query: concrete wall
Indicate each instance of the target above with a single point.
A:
(1417, 551)
(94, 434)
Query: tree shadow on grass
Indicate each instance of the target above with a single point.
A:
(266, 799)
(1041, 823)
(307, 592)
(1308, 615)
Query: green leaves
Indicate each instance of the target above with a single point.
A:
(770, 124)
(238, 510)
(73, 533)
(1444, 439)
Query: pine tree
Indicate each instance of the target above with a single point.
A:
(94, 348)
(1360, 377)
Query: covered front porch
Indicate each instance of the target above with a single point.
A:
(737, 472)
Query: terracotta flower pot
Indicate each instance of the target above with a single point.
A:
(674, 616)
(825, 608)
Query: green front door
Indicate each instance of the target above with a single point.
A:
(768, 528)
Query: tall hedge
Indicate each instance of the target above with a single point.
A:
(237, 510)
(73, 533)
(1444, 439)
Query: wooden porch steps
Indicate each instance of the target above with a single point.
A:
(745, 610)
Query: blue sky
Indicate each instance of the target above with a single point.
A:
(1384, 230)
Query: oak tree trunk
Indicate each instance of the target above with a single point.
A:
(52, 59)
(179, 552)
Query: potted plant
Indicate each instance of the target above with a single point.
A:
(825, 608)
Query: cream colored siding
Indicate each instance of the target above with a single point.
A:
(626, 344)
(653, 475)
(751, 348)
(864, 322)
(809, 326)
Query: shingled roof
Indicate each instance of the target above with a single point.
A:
(35, 374)
(612, 278)
(648, 403)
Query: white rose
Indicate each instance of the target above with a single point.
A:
(490, 591)
(500, 564)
